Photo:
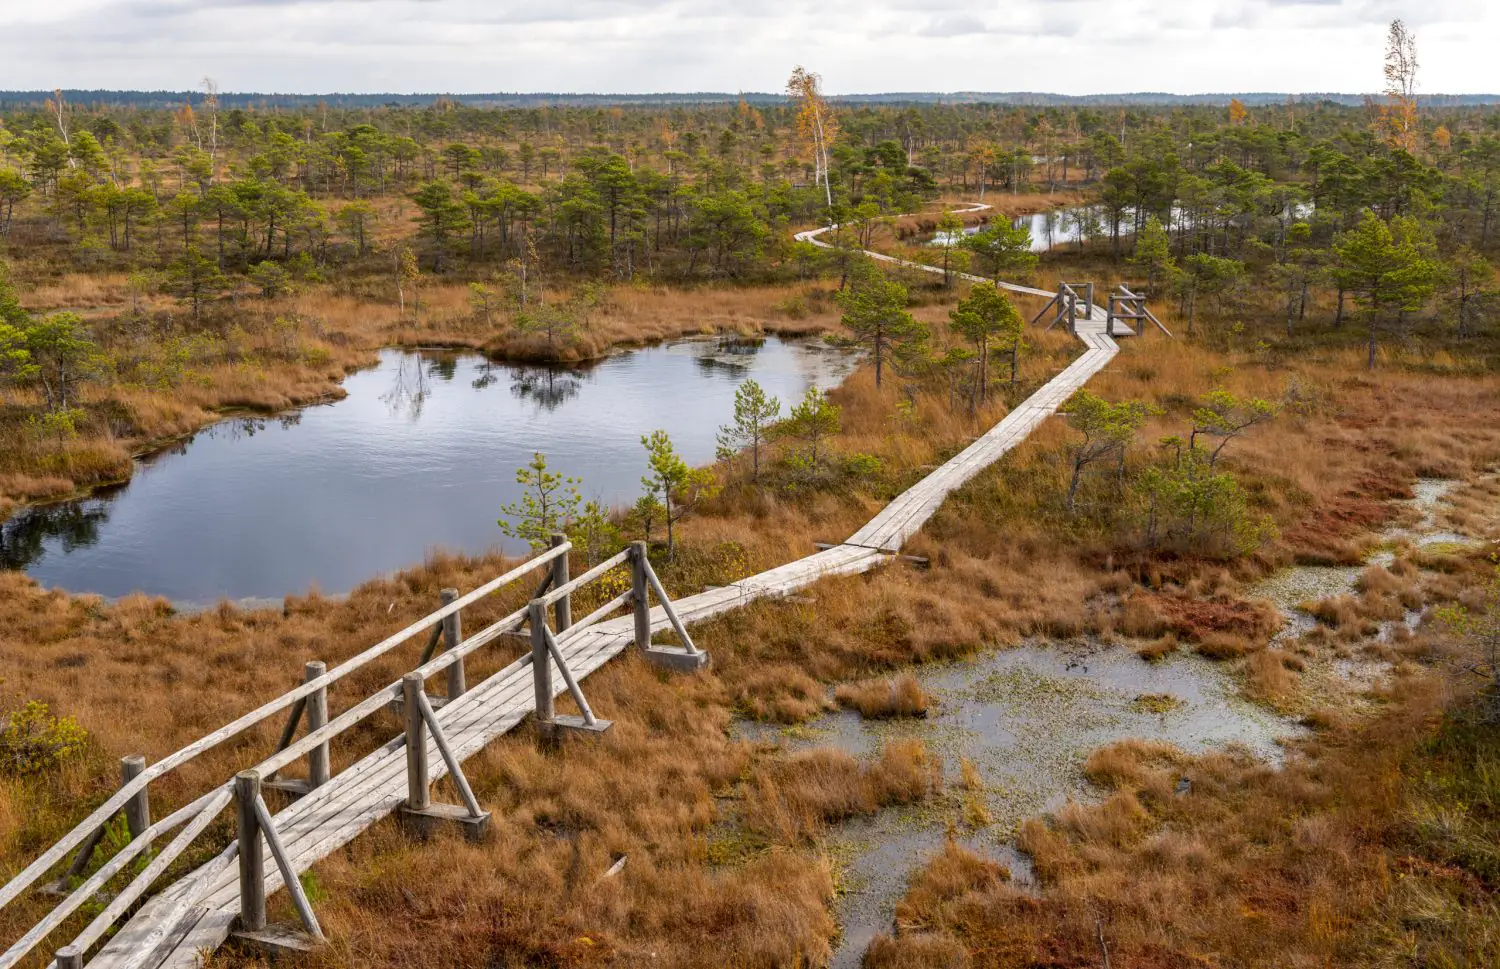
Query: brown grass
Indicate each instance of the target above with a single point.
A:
(721, 839)
(794, 800)
(899, 697)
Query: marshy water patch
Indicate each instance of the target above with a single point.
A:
(1026, 720)
(1292, 589)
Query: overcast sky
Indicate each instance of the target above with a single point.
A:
(859, 46)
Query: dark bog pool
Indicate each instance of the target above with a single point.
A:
(420, 455)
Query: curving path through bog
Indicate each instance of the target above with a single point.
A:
(196, 913)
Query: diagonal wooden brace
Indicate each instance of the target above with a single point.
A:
(689, 658)
(545, 652)
(420, 814)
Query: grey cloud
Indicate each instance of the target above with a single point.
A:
(1074, 46)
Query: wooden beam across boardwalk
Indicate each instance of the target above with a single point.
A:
(198, 912)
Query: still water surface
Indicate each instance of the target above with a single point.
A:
(421, 454)
(1048, 229)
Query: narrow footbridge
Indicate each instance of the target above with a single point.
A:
(198, 911)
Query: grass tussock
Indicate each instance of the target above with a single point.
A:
(945, 894)
(901, 696)
(794, 800)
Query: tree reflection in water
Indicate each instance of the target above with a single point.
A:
(731, 355)
(487, 376)
(444, 366)
(24, 537)
(548, 387)
(409, 387)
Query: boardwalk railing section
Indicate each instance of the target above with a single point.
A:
(1065, 306)
(195, 912)
(309, 703)
(1130, 308)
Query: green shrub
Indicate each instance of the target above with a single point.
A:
(1191, 507)
(34, 741)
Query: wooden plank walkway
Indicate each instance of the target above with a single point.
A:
(166, 932)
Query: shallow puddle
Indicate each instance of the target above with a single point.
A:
(1292, 588)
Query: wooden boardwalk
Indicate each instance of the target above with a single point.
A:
(196, 913)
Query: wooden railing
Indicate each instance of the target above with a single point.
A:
(1130, 308)
(1065, 306)
(307, 702)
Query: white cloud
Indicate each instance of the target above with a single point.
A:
(1069, 46)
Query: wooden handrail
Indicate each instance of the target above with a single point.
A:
(381, 698)
(108, 870)
(613, 562)
(122, 902)
(617, 602)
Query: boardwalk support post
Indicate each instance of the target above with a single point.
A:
(562, 610)
(318, 765)
(686, 659)
(138, 808)
(314, 709)
(257, 830)
(252, 861)
(545, 652)
(453, 634)
(640, 601)
(68, 957)
(420, 815)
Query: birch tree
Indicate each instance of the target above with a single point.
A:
(1398, 116)
(814, 123)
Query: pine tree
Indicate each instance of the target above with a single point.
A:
(754, 414)
(875, 311)
(673, 483)
(1001, 246)
(549, 503)
(985, 317)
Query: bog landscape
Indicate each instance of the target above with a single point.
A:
(759, 530)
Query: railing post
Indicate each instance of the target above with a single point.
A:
(453, 634)
(138, 808)
(420, 815)
(541, 663)
(640, 603)
(137, 819)
(69, 957)
(418, 793)
(563, 609)
(252, 861)
(317, 718)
